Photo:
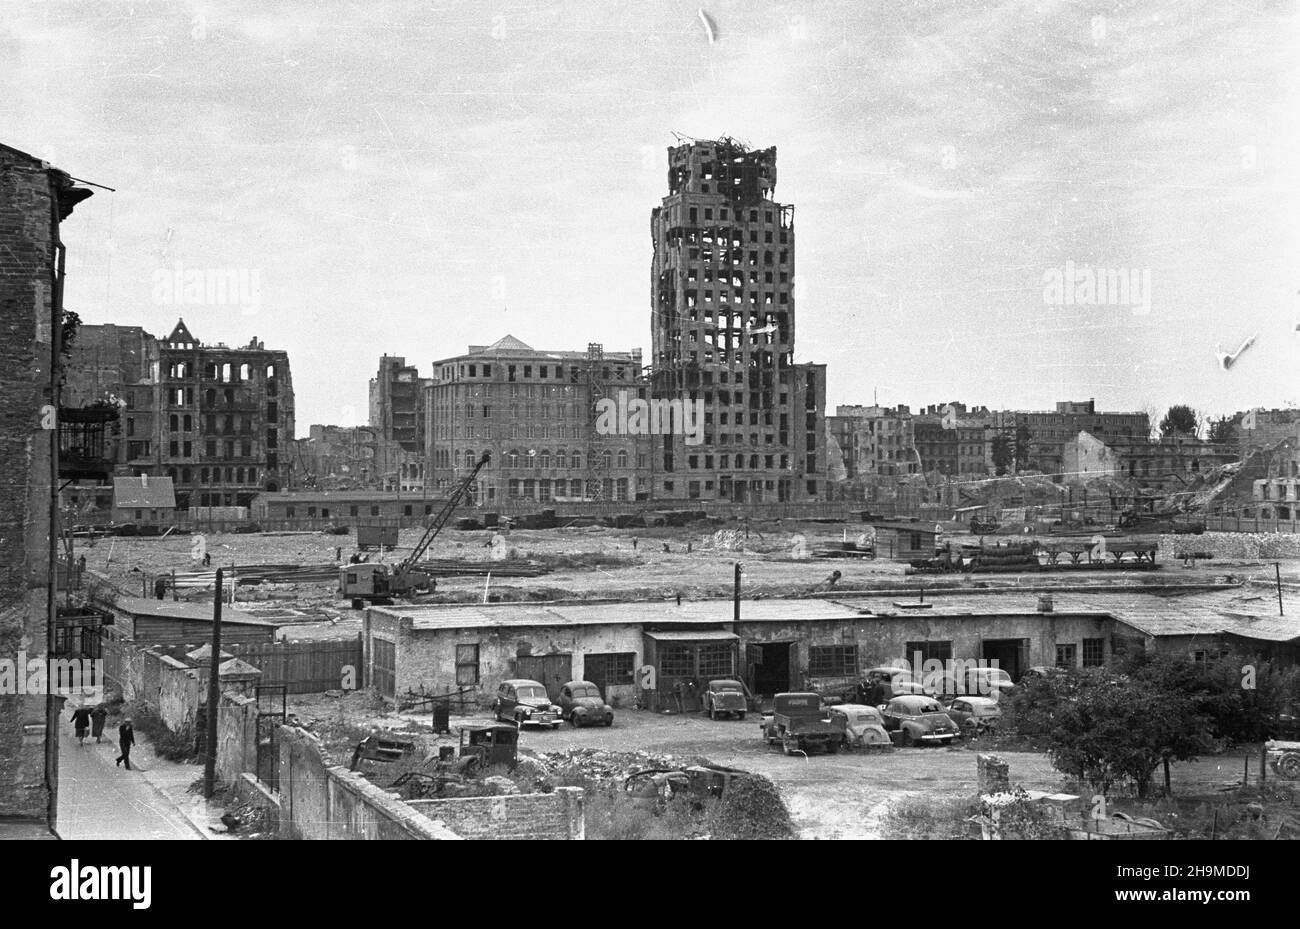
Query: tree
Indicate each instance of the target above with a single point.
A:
(71, 326)
(1023, 438)
(1223, 431)
(1180, 419)
(1003, 453)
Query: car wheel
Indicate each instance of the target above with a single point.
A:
(573, 720)
(713, 714)
(832, 747)
(609, 721)
(1289, 766)
(740, 716)
(907, 738)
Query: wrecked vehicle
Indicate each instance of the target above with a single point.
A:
(1284, 758)
(582, 705)
(489, 745)
(525, 703)
(725, 698)
(377, 751)
(655, 786)
(864, 726)
(799, 722)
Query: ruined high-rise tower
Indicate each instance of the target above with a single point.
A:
(722, 318)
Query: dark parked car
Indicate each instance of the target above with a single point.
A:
(526, 704)
(920, 719)
(581, 705)
(725, 697)
(1284, 725)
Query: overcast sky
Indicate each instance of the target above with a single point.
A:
(413, 177)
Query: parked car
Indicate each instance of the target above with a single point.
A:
(1041, 672)
(864, 727)
(1284, 725)
(977, 681)
(893, 681)
(525, 703)
(975, 714)
(800, 722)
(582, 705)
(725, 697)
(920, 719)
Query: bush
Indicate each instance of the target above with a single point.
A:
(173, 746)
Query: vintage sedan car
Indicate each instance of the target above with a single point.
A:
(725, 697)
(582, 705)
(975, 682)
(864, 727)
(975, 714)
(1283, 725)
(921, 720)
(525, 703)
(893, 681)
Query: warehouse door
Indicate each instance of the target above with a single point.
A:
(552, 671)
(1011, 655)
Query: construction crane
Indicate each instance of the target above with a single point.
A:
(380, 583)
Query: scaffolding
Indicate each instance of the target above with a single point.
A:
(595, 393)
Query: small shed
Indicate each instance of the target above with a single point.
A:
(144, 500)
(173, 622)
(907, 541)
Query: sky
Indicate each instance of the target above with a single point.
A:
(413, 177)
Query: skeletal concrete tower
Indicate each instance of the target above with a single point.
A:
(723, 324)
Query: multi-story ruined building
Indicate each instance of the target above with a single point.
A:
(537, 413)
(216, 419)
(875, 441)
(723, 331)
(397, 394)
(336, 458)
(34, 199)
(1045, 433)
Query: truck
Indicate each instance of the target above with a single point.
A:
(799, 722)
(381, 583)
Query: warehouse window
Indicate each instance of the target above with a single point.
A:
(715, 661)
(1066, 656)
(466, 665)
(612, 669)
(1094, 653)
(939, 651)
(676, 661)
(832, 660)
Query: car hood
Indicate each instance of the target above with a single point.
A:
(594, 703)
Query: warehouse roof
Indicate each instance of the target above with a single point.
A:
(702, 612)
(179, 609)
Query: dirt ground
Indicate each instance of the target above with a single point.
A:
(640, 563)
(842, 796)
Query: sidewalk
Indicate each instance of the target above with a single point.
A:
(99, 800)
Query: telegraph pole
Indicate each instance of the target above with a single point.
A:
(214, 694)
(1277, 570)
(735, 601)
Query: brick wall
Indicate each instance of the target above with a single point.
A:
(556, 815)
(322, 801)
(27, 251)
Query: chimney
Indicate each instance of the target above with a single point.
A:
(144, 481)
(1045, 603)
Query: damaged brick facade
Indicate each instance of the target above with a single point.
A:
(723, 331)
(34, 199)
(218, 420)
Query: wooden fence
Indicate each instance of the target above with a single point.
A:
(304, 667)
(1251, 524)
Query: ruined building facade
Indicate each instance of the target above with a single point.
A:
(217, 419)
(397, 420)
(535, 413)
(34, 199)
(723, 332)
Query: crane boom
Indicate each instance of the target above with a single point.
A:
(435, 526)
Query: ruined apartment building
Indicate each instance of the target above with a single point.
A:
(723, 331)
(535, 412)
(34, 199)
(216, 419)
(397, 418)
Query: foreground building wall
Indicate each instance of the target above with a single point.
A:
(34, 198)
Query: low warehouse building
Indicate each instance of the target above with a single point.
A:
(649, 653)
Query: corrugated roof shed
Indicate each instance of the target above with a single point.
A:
(179, 609)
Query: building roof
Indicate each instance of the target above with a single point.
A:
(143, 492)
(701, 612)
(180, 609)
(694, 635)
(507, 343)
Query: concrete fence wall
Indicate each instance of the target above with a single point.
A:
(236, 737)
(323, 801)
(558, 815)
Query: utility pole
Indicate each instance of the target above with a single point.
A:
(735, 601)
(1277, 570)
(214, 694)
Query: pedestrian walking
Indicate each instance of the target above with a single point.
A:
(81, 722)
(125, 739)
(97, 717)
